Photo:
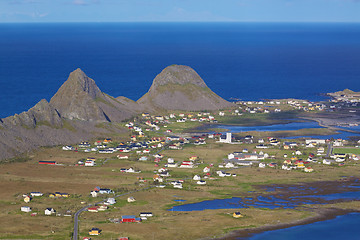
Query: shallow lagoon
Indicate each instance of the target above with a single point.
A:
(342, 227)
(274, 201)
(291, 127)
(275, 127)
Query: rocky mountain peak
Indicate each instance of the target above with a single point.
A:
(79, 82)
(178, 74)
(179, 87)
(80, 98)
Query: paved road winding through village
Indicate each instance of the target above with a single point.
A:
(77, 214)
(329, 150)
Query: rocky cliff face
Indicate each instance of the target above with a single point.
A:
(70, 117)
(80, 98)
(179, 87)
(41, 113)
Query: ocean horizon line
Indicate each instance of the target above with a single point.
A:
(186, 22)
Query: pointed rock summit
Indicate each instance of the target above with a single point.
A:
(179, 87)
(80, 98)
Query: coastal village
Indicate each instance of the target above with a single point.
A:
(158, 154)
(142, 170)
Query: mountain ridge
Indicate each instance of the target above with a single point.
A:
(73, 113)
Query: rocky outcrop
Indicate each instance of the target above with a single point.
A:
(179, 87)
(80, 98)
(70, 117)
(41, 113)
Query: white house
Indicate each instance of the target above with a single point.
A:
(36, 194)
(90, 163)
(206, 169)
(111, 201)
(229, 165)
(246, 156)
(196, 178)
(262, 165)
(178, 185)
(172, 165)
(49, 211)
(315, 141)
(143, 158)
(68, 148)
(187, 164)
(226, 138)
(25, 209)
(327, 161)
(94, 193)
(130, 170)
(201, 182)
(221, 174)
(338, 143)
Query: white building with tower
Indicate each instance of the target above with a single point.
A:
(225, 138)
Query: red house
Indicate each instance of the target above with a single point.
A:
(47, 162)
(130, 218)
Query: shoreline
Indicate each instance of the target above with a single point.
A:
(322, 215)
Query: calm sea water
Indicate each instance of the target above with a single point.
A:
(342, 227)
(249, 61)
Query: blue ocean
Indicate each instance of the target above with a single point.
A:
(248, 61)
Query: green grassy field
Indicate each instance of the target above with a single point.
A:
(347, 150)
(19, 177)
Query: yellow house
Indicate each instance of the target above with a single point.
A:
(300, 165)
(193, 158)
(27, 199)
(308, 169)
(65, 195)
(237, 215)
(94, 231)
(287, 161)
(51, 195)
